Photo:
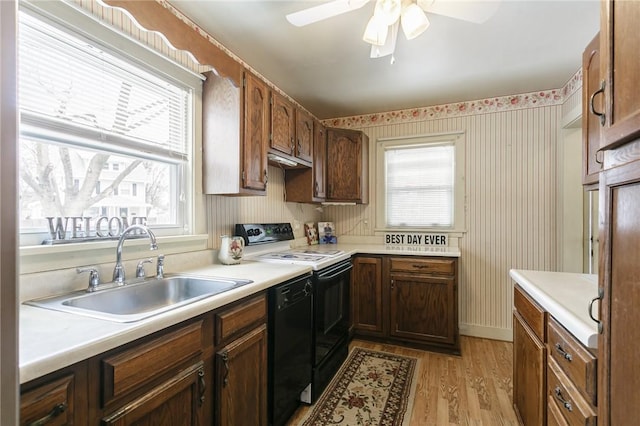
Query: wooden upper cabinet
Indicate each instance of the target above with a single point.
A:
(235, 134)
(307, 185)
(256, 133)
(304, 136)
(283, 125)
(619, 63)
(347, 166)
(319, 161)
(591, 81)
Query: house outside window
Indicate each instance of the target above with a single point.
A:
(421, 183)
(84, 106)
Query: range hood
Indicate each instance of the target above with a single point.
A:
(274, 158)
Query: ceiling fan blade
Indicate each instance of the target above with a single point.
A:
(476, 11)
(324, 11)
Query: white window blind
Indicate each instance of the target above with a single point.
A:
(420, 185)
(73, 87)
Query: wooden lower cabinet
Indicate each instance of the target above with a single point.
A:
(166, 378)
(180, 401)
(529, 375)
(241, 380)
(367, 296)
(554, 375)
(54, 400)
(409, 299)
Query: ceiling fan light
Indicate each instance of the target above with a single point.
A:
(414, 21)
(376, 31)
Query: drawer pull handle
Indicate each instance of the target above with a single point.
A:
(55, 412)
(559, 397)
(564, 353)
(225, 360)
(600, 115)
(599, 297)
(420, 266)
(202, 384)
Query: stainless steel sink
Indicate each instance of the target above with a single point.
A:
(134, 302)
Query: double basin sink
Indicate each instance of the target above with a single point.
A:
(140, 300)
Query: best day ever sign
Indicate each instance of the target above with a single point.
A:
(415, 239)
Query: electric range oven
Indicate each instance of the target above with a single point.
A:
(331, 277)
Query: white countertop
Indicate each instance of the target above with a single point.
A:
(50, 340)
(566, 297)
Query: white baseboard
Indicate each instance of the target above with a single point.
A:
(505, 334)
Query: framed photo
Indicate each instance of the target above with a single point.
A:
(326, 234)
(311, 232)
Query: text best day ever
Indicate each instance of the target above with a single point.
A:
(416, 239)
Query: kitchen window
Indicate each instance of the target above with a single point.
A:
(95, 118)
(422, 185)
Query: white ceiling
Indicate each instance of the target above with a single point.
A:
(526, 46)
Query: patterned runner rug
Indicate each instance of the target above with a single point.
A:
(371, 388)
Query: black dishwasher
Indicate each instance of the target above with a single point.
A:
(290, 346)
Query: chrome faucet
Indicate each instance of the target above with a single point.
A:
(118, 271)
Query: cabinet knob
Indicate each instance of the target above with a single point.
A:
(564, 353)
(565, 403)
(592, 108)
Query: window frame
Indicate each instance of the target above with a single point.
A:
(457, 139)
(188, 238)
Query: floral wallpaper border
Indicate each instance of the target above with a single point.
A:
(481, 106)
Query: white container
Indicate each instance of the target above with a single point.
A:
(231, 249)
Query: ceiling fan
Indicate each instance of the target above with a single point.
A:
(388, 15)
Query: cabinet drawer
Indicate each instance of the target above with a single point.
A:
(128, 370)
(230, 322)
(554, 415)
(532, 314)
(423, 266)
(561, 392)
(574, 360)
(51, 403)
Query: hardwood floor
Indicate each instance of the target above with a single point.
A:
(473, 389)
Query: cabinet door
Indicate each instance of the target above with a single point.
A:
(618, 360)
(366, 285)
(177, 402)
(256, 133)
(529, 384)
(304, 136)
(241, 382)
(620, 62)
(591, 163)
(423, 308)
(283, 122)
(319, 161)
(347, 166)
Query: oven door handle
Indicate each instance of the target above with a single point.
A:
(342, 270)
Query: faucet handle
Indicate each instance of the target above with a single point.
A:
(94, 277)
(160, 267)
(140, 268)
